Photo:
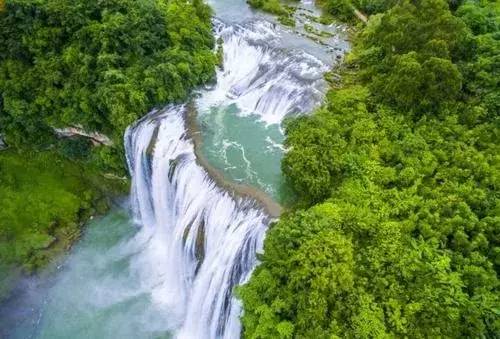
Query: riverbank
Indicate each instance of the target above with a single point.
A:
(46, 200)
(83, 81)
(55, 303)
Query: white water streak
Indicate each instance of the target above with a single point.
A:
(202, 242)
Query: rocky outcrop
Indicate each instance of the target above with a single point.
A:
(361, 16)
(3, 144)
(72, 131)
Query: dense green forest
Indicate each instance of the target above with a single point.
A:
(98, 64)
(95, 64)
(396, 230)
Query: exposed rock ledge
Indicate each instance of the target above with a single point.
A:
(77, 130)
(3, 144)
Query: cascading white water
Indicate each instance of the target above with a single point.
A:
(201, 241)
(261, 77)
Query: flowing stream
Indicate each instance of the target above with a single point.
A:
(199, 198)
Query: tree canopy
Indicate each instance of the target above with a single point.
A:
(99, 64)
(396, 230)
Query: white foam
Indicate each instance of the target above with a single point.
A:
(260, 77)
(184, 214)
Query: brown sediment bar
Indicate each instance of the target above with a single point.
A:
(241, 190)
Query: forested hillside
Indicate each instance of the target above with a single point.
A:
(396, 230)
(97, 65)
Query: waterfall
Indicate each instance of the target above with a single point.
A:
(201, 240)
(261, 77)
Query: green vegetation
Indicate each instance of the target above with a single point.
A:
(98, 64)
(276, 7)
(396, 230)
(45, 197)
(287, 20)
(42, 195)
(344, 9)
(322, 34)
(270, 6)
